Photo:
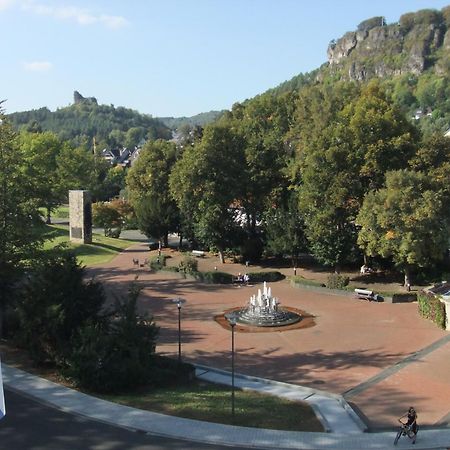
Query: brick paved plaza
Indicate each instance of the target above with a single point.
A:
(382, 357)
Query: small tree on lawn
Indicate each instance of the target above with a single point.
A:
(104, 215)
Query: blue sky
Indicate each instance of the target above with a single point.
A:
(170, 57)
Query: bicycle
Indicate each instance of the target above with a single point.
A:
(405, 430)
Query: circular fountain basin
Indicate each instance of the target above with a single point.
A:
(278, 318)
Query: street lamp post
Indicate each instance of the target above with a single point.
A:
(233, 324)
(179, 332)
(179, 302)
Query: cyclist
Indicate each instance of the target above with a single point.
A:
(412, 421)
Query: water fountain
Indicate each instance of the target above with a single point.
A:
(263, 310)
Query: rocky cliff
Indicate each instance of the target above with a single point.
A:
(419, 41)
(78, 98)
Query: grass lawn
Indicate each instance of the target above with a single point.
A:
(102, 249)
(61, 212)
(212, 403)
(198, 400)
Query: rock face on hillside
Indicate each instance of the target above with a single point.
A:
(78, 98)
(417, 42)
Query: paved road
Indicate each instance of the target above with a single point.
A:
(30, 425)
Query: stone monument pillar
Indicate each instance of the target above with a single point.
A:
(80, 216)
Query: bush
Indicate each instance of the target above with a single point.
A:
(215, 277)
(167, 372)
(432, 308)
(188, 265)
(337, 281)
(113, 233)
(259, 277)
(158, 262)
(116, 354)
(54, 303)
(404, 297)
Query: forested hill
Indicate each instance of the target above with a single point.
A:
(410, 58)
(201, 119)
(85, 119)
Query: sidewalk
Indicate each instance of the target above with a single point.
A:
(346, 434)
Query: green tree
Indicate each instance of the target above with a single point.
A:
(148, 188)
(406, 221)
(20, 221)
(263, 128)
(104, 215)
(206, 183)
(285, 229)
(81, 169)
(117, 354)
(369, 136)
(41, 151)
(55, 302)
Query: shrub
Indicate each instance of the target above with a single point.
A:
(188, 265)
(114, 233)
(404, 297)
(215, 277)
(55, 302)
(432, 308)
(116, 354)
(158, 262)
(259, 277)
(337, 281)
(167, 372)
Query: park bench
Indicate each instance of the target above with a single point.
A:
(198, 253)
(365, 294)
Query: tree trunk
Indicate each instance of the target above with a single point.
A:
(407, 283)
(49, 219)
(166, 240)
(180, 243)
(221, 257)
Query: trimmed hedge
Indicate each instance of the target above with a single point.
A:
(404, 297)
(259, 277)
(215, 277)
(432, 308)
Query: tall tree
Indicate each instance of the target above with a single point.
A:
(284, 228)
(406, 221)
(148, 187)
(206, 183)
(41, 151)
(369, 136)
(81, 169)
(19, 215)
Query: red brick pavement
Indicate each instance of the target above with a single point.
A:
(352, 340)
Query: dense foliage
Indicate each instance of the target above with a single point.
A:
(432, 308)
(83, 122)
(339, 163)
